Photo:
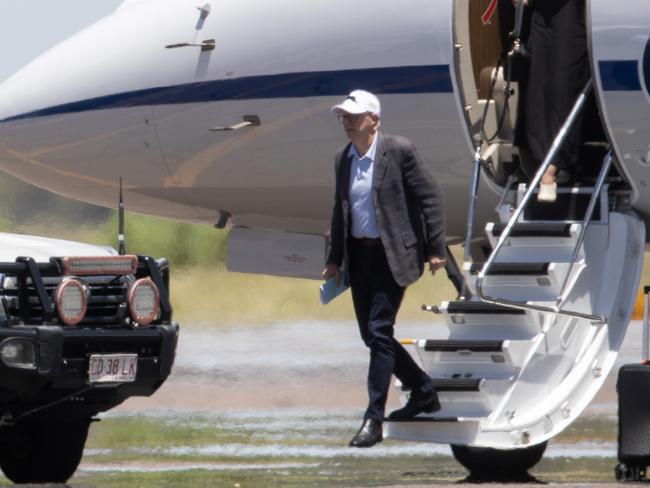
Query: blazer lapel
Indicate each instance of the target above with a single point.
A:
(344, 174)
(379, 170)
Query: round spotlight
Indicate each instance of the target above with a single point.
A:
(143, 301)
(71, 299)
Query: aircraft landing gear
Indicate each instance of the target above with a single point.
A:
(487, 464)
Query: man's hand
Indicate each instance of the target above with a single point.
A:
(330, 270)
(435, 263)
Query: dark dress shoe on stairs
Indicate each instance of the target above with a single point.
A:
(419, 402)
(369, 434)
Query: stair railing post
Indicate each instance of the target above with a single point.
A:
(473, 197)
(471, 210)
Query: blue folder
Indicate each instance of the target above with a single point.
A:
(329, 290)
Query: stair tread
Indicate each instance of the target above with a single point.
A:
(534, 230)
(569, 205)
(521, 269)
(467, 307)
(424, 419)
(463, 345)
(456, 384)
(453, 384)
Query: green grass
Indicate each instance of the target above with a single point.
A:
(199, 429)
(572, 470)
(589, 428)
(349, 472)
(337, 472)
(143, 431)
(123, 436)
(220, 297)
(119, 433)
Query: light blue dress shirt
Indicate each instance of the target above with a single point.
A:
(362, 208)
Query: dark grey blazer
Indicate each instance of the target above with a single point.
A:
(409, 208)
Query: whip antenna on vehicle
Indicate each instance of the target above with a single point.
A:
(120, 225)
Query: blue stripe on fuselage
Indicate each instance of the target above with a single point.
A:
(396, 80)
(620, 75)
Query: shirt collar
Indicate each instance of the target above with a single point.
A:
(372, 150)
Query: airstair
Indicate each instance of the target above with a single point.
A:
(547, 313)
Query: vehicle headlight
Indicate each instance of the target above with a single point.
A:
(71, 299)
(143, 301)
(18, 353)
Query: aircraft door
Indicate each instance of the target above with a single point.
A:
(620, 37)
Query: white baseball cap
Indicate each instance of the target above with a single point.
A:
(359, 102)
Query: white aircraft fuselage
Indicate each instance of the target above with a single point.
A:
(114, 101)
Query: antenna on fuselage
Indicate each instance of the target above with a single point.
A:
(120, 224)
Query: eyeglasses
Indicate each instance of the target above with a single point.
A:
(354, 118)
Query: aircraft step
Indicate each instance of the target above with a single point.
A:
(457, 384)
(453, 384)
(467, 307)
(533, 229)
(464, 360)
(436, 428)
(522, 282)
(530, 242)
(467, 397)
(473, 320)
(427, 418)
(462, 346)
(570, 206)
(512, 269)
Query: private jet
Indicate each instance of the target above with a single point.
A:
(218, 113)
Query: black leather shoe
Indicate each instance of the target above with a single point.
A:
(369, 434)
(418, 403)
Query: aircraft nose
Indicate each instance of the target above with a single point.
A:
(83, 68)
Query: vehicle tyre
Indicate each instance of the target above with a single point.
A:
(488, 464)
(43, 453)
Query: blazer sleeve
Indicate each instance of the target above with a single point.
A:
(428, 195)
(336, 228)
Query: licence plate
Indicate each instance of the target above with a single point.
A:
(112, 368)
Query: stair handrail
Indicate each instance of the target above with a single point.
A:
(555, 147)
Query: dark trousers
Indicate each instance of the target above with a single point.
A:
(377, 297)
(559, 70)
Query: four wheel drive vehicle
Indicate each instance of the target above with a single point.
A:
(81, 330)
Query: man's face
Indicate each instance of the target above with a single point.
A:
(358, 125)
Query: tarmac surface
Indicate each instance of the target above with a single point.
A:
(317, 367)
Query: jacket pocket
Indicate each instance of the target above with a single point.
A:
(409, 239)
